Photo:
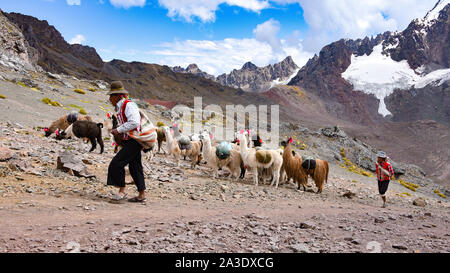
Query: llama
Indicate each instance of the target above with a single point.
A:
(85, 129)
(172, 144)
(233, 162)
(64, 122)
(261, 159)
(110, 124)
(319, 173)
(161, 138)
(267, 174)
(292, 166)
(194, 152)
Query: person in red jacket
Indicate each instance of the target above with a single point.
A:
(384, 174)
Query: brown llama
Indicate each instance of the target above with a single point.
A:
(319, 174)
(292, 166)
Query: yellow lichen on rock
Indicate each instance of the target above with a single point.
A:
(351, 167)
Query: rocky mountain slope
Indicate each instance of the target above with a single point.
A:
(193, 69)
(416, 58)
(53, 53)
(49, 51)
(258, 79)
(250, 77)
(318, 96)
(386, 87)
(15, 52)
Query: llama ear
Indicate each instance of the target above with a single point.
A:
(291, 140)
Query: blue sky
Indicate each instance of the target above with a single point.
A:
(218, 35)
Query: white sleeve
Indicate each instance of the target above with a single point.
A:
(133, 118)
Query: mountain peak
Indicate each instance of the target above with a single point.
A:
(193, 68)
(249, 66)
(433, 14)
(288, 59)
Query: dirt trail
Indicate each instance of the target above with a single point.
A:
(200, 215)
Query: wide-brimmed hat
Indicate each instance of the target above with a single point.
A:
(381, 154)
(117, 88)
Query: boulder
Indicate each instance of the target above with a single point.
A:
(349, 194)
(419, 202)
(5, 154)
(333, 132)
(67, 162)
(19, 165)
(300, 248)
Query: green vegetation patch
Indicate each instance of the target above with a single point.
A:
(75, 106)
(51, 103)
(411, 186)
(440, 194)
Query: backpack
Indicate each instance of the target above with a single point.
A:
(146, 133)
(223, 150)
(72, 117)
(309, 163)
(184, 142)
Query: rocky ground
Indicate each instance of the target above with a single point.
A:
(45, 209)
(49, 210)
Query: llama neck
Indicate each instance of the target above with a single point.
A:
(287, 153)
(170, 139)
(207, 147)
(243, 144)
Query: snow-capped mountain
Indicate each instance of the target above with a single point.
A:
(416, 59)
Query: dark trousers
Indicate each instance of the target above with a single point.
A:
(383, 186)
(130, 155)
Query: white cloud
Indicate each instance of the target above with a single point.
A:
(267, 32)
(328, 20)
(127, 3)
(77, 39)
(331, 20)
(206, 10)
(73, 2)
(222, 56)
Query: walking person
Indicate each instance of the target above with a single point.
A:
(129, 119)
(384, 174)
